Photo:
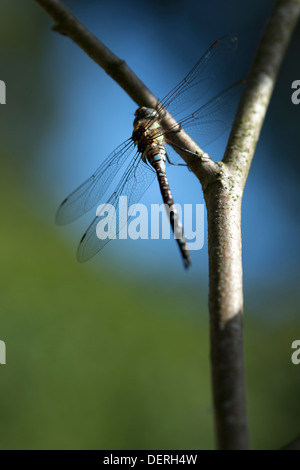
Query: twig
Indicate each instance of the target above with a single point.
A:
(67, 24)
(223, 200)
(260, 84)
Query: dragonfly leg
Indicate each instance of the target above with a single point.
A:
(174, 164)
(204, 156)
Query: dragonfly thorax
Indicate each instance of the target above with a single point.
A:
(147, 133)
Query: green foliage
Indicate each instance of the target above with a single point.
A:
(97, 363)
(91, 362)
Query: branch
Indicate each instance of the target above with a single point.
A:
(260, 84)
(67, 24)
(223, 199)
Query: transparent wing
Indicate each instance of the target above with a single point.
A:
(89, 193)
(211, 120)
(187, 92)
(200, 78)
(135, 181)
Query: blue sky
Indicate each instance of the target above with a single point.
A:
(94, 115)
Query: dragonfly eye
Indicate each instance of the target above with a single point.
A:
(144, 113)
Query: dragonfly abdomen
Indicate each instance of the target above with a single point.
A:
(156, 156)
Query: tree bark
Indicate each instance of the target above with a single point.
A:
(223, 197)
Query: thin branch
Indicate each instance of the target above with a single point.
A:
(260, 84)
(67, 24)
(223, 199)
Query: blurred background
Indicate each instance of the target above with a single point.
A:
(114, 354)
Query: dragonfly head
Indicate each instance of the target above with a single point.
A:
(144, 113)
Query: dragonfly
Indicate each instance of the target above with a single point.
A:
(144, 155)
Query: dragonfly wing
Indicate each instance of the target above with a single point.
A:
(133, 184)
(201, 77)
(210, 121)
(89, 193)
